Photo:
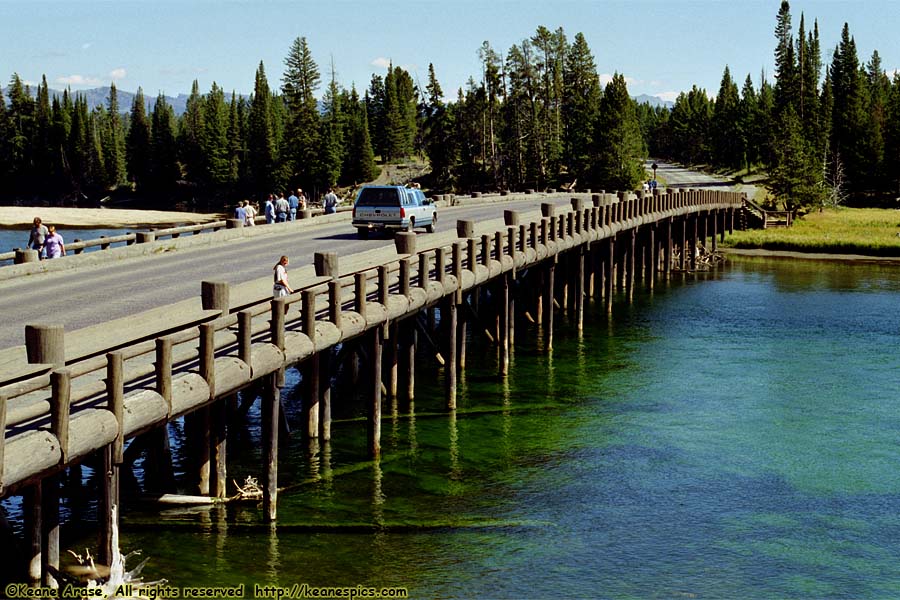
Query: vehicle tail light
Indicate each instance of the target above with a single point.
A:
(402, 213)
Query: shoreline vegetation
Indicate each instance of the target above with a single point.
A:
(870, 232)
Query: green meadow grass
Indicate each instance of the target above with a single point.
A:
(867, 231)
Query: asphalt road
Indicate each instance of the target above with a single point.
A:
(88, 296)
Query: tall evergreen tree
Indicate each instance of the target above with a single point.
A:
(332, 135)
(164, 149)
(849, 122)
(374, 99)
(303, 142)
(619, 145)
(786, 71)
(581, 105)
(138, 144)
(190, 137)
(214, 139)
(114, 140)
(727, 146)
(359, 158)
(438, 138)
(260, 137)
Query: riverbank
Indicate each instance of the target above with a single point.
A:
(14, 217)
(867, 232)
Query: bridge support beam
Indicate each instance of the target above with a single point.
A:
(694, 219)
(579, 287)
(325, 362)
(503, 322)
(219, 446)
(668, 249)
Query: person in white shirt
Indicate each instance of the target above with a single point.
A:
(281, 287)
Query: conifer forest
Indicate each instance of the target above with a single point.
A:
(824, 130)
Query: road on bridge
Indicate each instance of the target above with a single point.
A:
(92, 295)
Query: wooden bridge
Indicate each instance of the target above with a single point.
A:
(58, 410)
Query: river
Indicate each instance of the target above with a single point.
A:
(730, 435)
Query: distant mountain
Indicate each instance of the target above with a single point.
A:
(653, 101)
(100, 97)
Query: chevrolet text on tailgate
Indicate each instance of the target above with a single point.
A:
(392, 207)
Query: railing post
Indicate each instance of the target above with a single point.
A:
(423, 270)
(384, 289)
(245, 333)
(334, 302)
(485, 250)
(360, 282)
(405, 275)
(471, 254)
(440, 262)
(309, 314)
(115, 394)
(208, 356)
(164, 371)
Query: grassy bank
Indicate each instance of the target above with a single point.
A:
(867, 231)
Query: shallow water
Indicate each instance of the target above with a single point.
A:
(732, 435)
(10, 239)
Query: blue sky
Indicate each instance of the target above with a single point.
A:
(662, 47)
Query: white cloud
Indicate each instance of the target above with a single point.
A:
(78, 80)
(668, 96)
(119, 73)
(86, 45)
(381, 62)
(605, 78)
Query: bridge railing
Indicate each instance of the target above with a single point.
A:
(69, 409)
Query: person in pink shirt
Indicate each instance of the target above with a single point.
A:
(53, 244)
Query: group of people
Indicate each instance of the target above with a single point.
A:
(279, 209)
(46, 240)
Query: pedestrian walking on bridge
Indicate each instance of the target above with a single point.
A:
(282, 287)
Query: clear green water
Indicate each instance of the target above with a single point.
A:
(731, 436)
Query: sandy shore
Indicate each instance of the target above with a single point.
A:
(22, 217)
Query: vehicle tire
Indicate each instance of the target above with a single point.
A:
(362, 232)
(430, 228)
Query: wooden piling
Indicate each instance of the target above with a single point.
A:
(51, 532)
(548, 303)
(219, 441)
(408, 355)
(448, 315)
(325, 362)
(270, 417)
(374, 392)
(34, 532)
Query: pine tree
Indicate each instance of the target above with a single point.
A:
(620, 149)
(786, 71)
(374, 99)
(164, 154)
(581, 106)
(359, 159)
(260, 137)
(437, 135)
(214, 139)
(235, 141)
(332, 136)
(20, 115)
(849, 115)
(727, 149)
(796, 180)
(748, 110)
(302, 143)
(190, 138)
(137, 144)
(114, 141)
(95, 173)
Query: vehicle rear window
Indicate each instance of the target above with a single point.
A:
(378, 197)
